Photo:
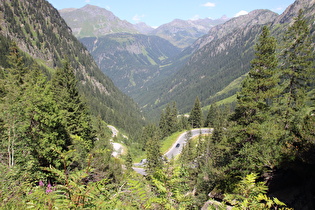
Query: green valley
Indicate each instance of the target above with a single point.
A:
(217, 114)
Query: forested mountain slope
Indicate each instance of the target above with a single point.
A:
(131, 60)
(43, 35)
(218, 58)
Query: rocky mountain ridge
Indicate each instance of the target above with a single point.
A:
(183, 33)
(93, 21)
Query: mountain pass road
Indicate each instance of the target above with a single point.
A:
(177, 146)
(181, 141)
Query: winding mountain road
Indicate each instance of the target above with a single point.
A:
(181, 141)
(177, 146)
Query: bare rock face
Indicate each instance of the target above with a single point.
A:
(292, 11)
(183, 33)
(235, 25)
(93, 21)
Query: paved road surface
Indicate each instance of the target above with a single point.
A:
(182, 141)
(177, 146)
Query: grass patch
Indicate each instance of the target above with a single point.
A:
(228, 100)
(167, 143)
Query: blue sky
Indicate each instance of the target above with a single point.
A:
(158, 12)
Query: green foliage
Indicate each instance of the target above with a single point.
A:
(250, 194)
(211, 116)
(153, 153)
(129, 162)
(296, 74)
(168, 121)
(195, 117)
(75, 118)
(44, 36)
(31, 119)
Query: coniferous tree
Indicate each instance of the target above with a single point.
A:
(172, 120)
(154, 156)
(34, 135)
(258, 88)
(129, 162)
(195, 117)
(163, 124)
(168, 121)
(296, 71)
(253, 139)
(76, 118)
(211, 116)
(45, 135)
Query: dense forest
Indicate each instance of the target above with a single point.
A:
(55, 154)
(43, 35)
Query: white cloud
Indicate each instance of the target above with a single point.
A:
(137, 18)
(87, 1)
(242, 12)
(209, 4)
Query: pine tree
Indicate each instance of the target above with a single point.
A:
(168, 121)
(258, 89)
(195, 118)
(154, 156)
(172, 119)
(254, 135)
(163, 124)
(129, 162)
(297, 59)
(32, 129)
(45, 135)
(211, 116)
(75, 112)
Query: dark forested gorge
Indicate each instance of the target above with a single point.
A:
(56, 150)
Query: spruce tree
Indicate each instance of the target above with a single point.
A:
(129, 162)
(297, 59)
(253, 140)
(153, 153)
(172, 119)
(76, 118)
(211, 116)
(296, 70)
(195, 117)
(258, 89)
(44, 134)
(11, 107)
(168, 121)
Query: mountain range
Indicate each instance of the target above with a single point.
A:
(148, 68)
(93, 21)
(210, 67)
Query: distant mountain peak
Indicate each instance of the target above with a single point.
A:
(94, 21)
(182, 33)
(143, 28)
(67, 10)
